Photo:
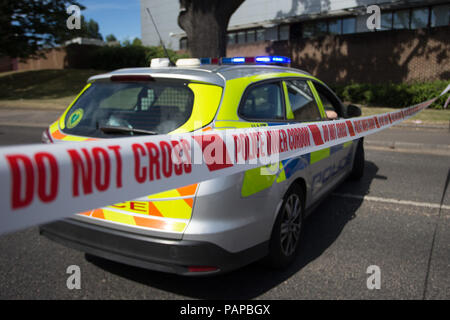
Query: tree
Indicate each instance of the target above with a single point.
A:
(205, 23)
(137, 42)
(26, 26)
(126, 42)
(92, 29)
(111, 38)
(89, 29)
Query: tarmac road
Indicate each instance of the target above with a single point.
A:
(388, 219)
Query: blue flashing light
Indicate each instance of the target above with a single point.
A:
(273, 59)
(249, 60)
(205, 60)
(226, 61)
(262, 59)
(238, 60)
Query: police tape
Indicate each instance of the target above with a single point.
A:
(42, 183)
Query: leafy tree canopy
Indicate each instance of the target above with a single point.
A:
(89, 29)
(137, 42)
(110, 38)
(29, 25)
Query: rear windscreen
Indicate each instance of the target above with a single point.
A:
(154, 106)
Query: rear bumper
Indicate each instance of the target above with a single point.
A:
(173, 256)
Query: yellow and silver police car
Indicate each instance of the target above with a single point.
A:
(216, 225)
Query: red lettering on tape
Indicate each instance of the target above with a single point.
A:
(317, 136)
(214, 151)
(21, 168)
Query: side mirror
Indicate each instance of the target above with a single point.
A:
(353, 111)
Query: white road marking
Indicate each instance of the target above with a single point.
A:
(394, 201)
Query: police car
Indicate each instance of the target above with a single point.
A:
(221, 224)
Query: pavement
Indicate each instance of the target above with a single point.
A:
(403, 137)
(396, 217)
(411, 139)
(28, 118)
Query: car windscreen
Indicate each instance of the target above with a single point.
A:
(117, 109)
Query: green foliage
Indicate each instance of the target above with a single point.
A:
(89, 29)
(26, 26)
(137, 42)
(115, 57)
(43, 84)
(111, 38)
(392, 94)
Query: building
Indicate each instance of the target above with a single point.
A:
(412, 43)
(86, 41)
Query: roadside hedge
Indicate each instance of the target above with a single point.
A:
(392, 94)
(114, 57)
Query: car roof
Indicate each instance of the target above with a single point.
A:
(215, 74)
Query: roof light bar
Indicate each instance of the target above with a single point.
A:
(273, 59)
(194, 62)
(209, 60)
(250, 60)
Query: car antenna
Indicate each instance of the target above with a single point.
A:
(160, 39)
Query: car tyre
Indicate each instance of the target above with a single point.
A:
(359, 162)
(285, 238)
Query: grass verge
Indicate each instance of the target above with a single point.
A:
(42, 89)
(427, 116)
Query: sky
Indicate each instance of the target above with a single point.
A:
(121, 18)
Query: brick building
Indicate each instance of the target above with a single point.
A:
(330, 38)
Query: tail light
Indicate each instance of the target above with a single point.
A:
(202, 269)
(46, 137)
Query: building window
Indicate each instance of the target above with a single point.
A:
(419, 18)
(321, 28)
(260, 35)
(241, 37)
(413, 18)
(246, 36)
(348, 25)
(440, 15)
(283, 32)
(401, 19)
(386, 21)
(272, 34)
(335, 26)
(250, 36)
(232, 38)
(309, 29)
(183, 44)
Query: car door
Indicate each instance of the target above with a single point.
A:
(302, 106)
(341, 154)
(262, 102)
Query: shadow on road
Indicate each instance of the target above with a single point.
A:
(320, 231)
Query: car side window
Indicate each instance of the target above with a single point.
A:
(303, 104)
(332, 107)
(263, 102)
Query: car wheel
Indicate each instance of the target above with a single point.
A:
(359, 162)
(286, 231)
